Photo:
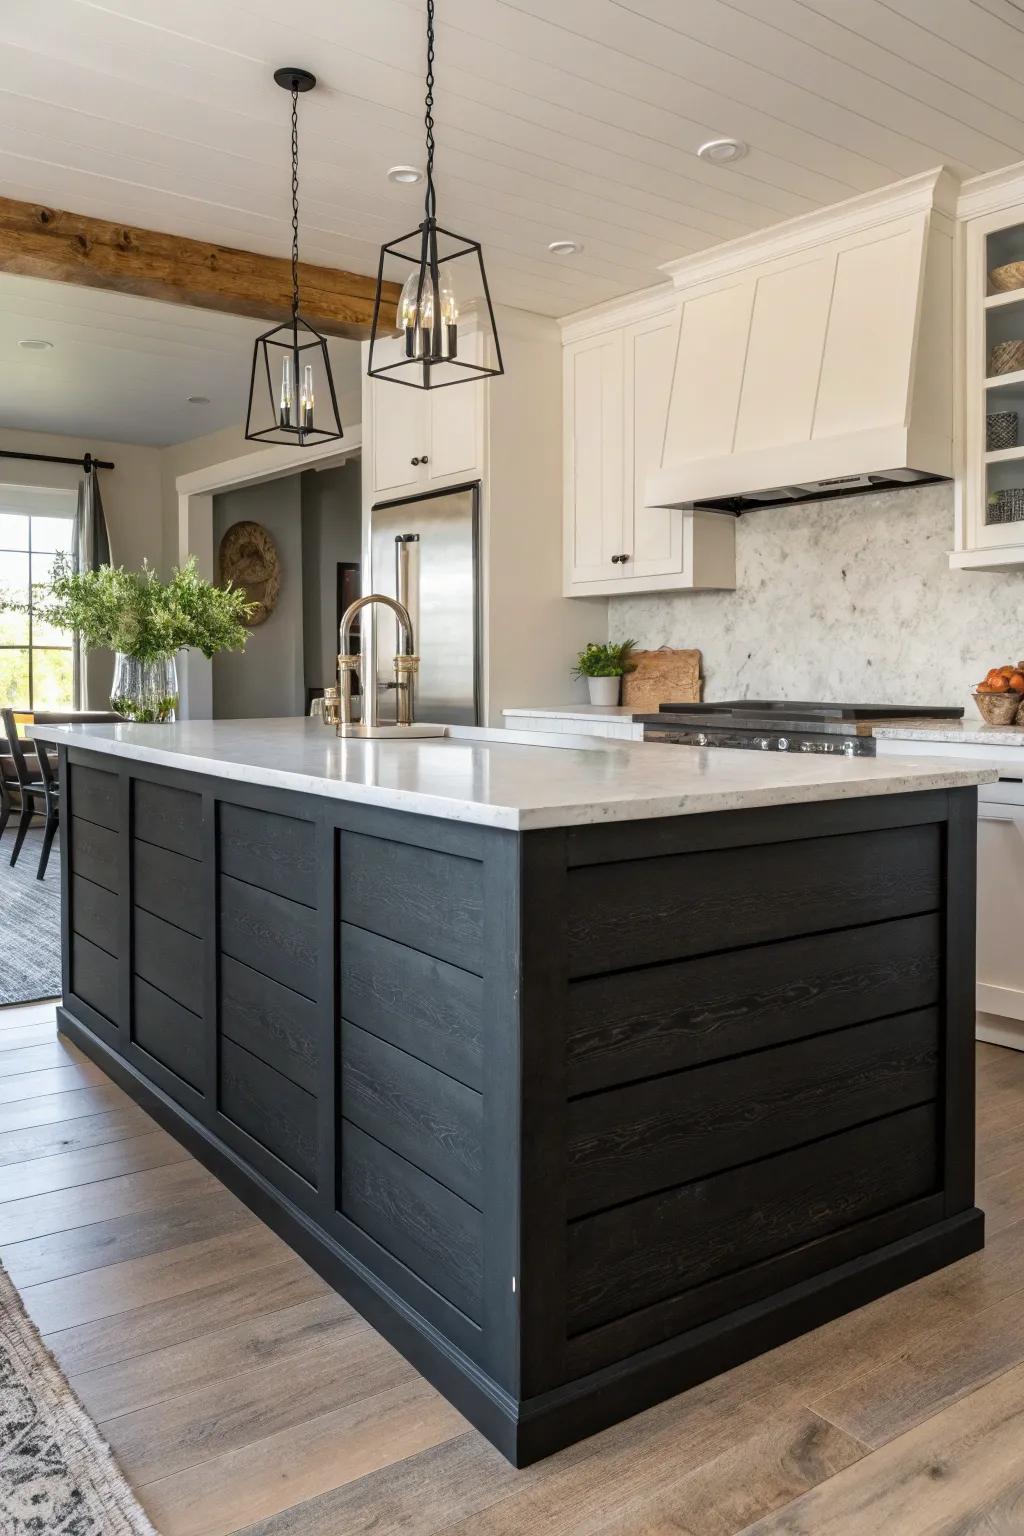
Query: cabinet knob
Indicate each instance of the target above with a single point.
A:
(423, 458)
(414, 461)
(619, 559)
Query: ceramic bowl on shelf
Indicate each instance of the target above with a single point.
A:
(997, 708)
(1006, 278)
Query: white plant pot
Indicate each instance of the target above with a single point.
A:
(604, 690)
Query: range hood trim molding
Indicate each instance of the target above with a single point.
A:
(934, 191)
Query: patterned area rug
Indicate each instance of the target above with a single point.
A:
(57, 1476)
(29, 923)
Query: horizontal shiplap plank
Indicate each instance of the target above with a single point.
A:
(276, 853)
(169, 885)
(274, 1111)
(651, 1135)
(273, 1022)
(429, 900)
(642, 911)
(169, 959)
(431, 1230)
(643, 1252)
(169, 817)
(271, 934)
(639, 1023)
(429, 1008)
(434, 1122)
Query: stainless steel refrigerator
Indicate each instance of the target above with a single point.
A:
(425, 551)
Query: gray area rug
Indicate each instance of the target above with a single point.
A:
(29, 923)
(57, 1474)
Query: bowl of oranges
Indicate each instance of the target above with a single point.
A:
(1000, 696)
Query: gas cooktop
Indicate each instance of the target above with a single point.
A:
(783, 725)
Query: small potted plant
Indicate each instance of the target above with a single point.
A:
(603, 666)
(145, 622)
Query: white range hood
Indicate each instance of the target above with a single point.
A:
(815, 359)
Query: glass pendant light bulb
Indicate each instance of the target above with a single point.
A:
(287, 402)
(306, 399)
(415, 314)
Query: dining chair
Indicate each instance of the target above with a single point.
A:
(31, 788)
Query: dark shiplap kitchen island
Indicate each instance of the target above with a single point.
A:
(584, 1072)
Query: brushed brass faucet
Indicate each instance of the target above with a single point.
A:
(365, 665)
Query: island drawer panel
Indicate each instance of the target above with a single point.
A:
(270, 1108)
(272, 1022)
(427, 1007)
(170, 818)
(95, 795)
(169, 959)
(651, 1135)
(269, 933)
(169, 885)
(430, 900)
(641, 911)
(276, 853)
(95, 853)
(169, 1033)
(94, 913)
(427, 1227)
(431, 1120)
(641, 1023)
(649, 1250)
(94, 977)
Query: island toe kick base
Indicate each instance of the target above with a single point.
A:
(575, 1117)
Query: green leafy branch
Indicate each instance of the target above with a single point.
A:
(138, 614)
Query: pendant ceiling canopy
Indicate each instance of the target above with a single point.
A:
(291, 388)
(445, 318)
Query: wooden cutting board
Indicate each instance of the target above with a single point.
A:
(662, 677)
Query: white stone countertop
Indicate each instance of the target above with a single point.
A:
(615, 712)
(517, 780)
(971, 733)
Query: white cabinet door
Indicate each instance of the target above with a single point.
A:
(654, 534)
(1000, 899)
(594, 487)
(401, 429)
(456, 422)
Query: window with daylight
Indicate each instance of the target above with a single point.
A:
(36, 660)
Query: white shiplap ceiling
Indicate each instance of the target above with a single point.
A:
(556, 119)
(121, 369)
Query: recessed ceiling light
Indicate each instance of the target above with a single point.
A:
(722, 151)
(405, 175)
(36, 344)
(198, 400)
(565, 247)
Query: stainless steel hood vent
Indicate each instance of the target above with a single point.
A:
(817, 490)
(815, 359)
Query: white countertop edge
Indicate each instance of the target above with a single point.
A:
(612, 712)
(613, 807)
(979, 735)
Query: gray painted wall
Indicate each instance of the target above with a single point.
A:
(267, 677)
(331, 532)
(845, 600)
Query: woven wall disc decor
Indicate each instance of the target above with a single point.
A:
(249, 558)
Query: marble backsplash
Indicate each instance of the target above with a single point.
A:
(845, 600)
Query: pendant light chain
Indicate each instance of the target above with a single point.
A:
(295, 203)
(428, 118)
(292, 398)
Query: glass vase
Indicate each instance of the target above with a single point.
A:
(145, 691)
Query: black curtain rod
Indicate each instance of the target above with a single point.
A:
(86, 462)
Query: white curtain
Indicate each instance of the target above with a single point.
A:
(91, 550)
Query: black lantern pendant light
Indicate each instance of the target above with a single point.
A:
(291, 368)
(443, 275)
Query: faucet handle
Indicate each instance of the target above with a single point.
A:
(406, 667)
(347, 665)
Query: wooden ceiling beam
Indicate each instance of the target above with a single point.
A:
(36, 241)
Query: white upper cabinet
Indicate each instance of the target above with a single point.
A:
(653, 536)
(594, 437)
(420, 438)
(616, 380)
